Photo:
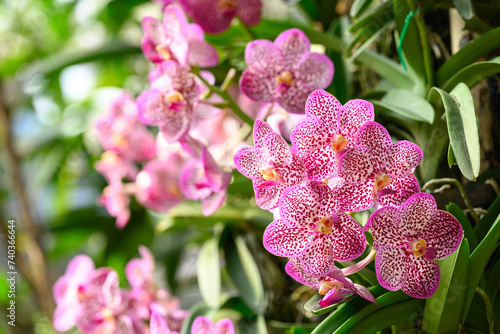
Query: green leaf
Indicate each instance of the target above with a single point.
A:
(388, 316)
(485, 223)
(440, 313)
(462, 128)
(209, 279)
(479, 47)
(378, 16)
(477, 262)
(464, 8)
(245, 273)
(197, 310)
(451, 157)
(456, 211)
(358, 7)
(472, 74)
(405, 103)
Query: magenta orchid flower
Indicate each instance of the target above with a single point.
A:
(215, 16)
(270, 165)
(329, 129)
(203, 325)
(202, 179)
(311, 230)
(158, 184)
(67, 292)
(334, 285)
(114, 168)
(176, 39)
(285, 71)
(170, 102)
(409, 240)
(377, 171)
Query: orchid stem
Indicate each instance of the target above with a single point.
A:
(360, 265)
(460, 188)
(232, 104)
(245, 30)
(489, 310)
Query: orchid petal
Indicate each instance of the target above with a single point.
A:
(260, 130)
(176, 125)
(325, 198)
(354, 198)
(214, 174)
(293, 99)
(321, 164)
(281, 240)
(415, 214)
(404, 188)
(443, 233)
(202, 325)
(152, 107)
(363, 292)
(385, 232)
(300, 276)
(402, 158)
(224, 326)
(261, 53)
(259, 85)
(292, 44)
(317, 259)
(65, 316)
(276, 151)
(214, 201)
(353, 115)
(249, 11)
(357, 164)
(248, 162)
(324, 106)
(423, 277)
(298, 206)
(374, 136)
(294, 173)
(202, 54)
(158, 324)
(390, 266)
(314, 71)
(347, 242)
(268, 198)
(193, 181)
(309, 135)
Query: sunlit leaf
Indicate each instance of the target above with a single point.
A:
(209, 279)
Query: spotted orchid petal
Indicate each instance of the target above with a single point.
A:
(261, 53)
(276, 151)
(309, 135)
(215, 176)
(170, 77)
(327, 202)
(298, 206)
(248, 162)
(357, 164)
(374, 136)
(326, 107)
(353, 115)
(202, 325)
(347, 242)
(249, 11)
(443, 233)
(391, 267)
(354, 198)
(300, 276)
(364, 293)
(294, 173)
(214, 201)
(404, 188)
(321, 164)
(260, 131)
(281, 240)
(258, 85)
(202, 53)
(317, 259)
(268, 198)
(158, 324)
(384, 230)
(224, 326)
(422, 279)
(293, 98)
(402, 158)
(292, 44)
(151, 105)
(177, 125)
(194, 184)
(415, 214)
(314, 71)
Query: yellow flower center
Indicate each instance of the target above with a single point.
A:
(324, 225)
(175, 97)
(328, 285)
(107, 314)
(119, 140)
(285, 78)
(270, 174)
(381, 181)
(339, 143)
(418, 247)
(109, 157)
(227, 4)
(164, 51)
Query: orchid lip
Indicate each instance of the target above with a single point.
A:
(164, 52)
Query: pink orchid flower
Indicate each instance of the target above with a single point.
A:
(285, 71)
(409, 240)
(329, 129)
(116, 202)
(334, 285)
(270, 165)
(114, 168)
(170, 102)
(202, 179)
(176, 39)
(377, 171)
(215, 16)
(311, 230)
(67, 292)
(203, 325)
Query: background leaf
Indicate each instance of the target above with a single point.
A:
(209, 279)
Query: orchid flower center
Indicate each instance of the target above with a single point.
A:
(107, 314)
(80, 293)
(418, 248)
(164, 51)
(328, 285)
(285, 78)
(175, 97)
(119, 140)
(339, 142)
(324, 225)
(381, 181)
(227, 4)
(269, 174)
(109, 157)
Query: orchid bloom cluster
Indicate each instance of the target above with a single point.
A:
(91, 299)
(341, 161)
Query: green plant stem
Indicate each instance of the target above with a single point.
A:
(462, 192)
(245, 30)
(234, 106)
(489, 309)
